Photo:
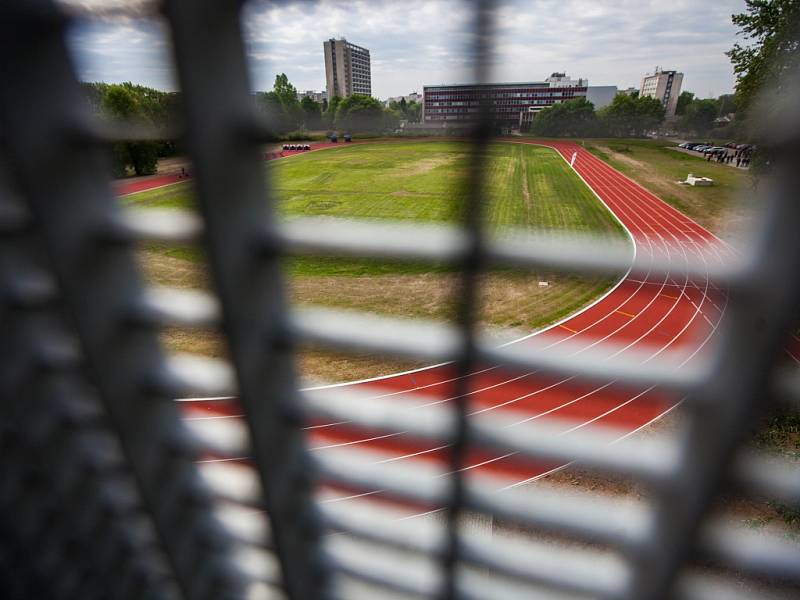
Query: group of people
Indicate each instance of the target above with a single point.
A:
(742, 157)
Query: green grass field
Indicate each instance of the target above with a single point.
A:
(526, 186)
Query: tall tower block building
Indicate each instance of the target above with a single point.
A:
(347, 69)
(664, 86)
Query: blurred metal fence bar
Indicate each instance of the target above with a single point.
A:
(235, 205)
(96, 282)
(94, 453)
(438, 342)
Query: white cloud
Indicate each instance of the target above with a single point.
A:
(417, 42)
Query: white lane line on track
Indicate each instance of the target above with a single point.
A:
(662, 248)
(571, 402)
(649, 240)
(585, 309)
(632, 399)
(680, 333)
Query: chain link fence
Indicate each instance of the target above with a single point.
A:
(105, 491)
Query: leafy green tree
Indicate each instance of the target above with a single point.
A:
(312, 113)
(281, 106)
(627, 116)
(773, 29)
(572, 118)
(726, 104)
(270, 104)
(360, 113)
(650, 114)
(683, 101)
(700, 115)
(414, 111)
(329, 117)
(120, 103)
(285, 91)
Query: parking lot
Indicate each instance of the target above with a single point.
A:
(732, 154)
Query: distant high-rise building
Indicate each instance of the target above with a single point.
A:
(665, 86)
(347, 69)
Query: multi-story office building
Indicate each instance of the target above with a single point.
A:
(511, 104)
(347, 69)
(314, 95)
(412, 97)
(665, 86)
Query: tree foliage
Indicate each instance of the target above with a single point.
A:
(127, 102)
(360, 113)
(312, 113)
(329, 116)
(699, 116)
(773, 29)
(683, 101)
(631, 117)
(281, 106)
(572, 118)
(410, 111)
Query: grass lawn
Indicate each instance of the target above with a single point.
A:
(656, 165)
(527, 186)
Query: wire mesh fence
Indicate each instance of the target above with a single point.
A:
(108, 490)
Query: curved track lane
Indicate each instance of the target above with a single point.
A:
(641, 319)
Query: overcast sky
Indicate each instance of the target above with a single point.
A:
(418, 42)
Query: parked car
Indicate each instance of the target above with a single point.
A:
(334, 138)
(347, 137)
(306, 147)
(286, 146)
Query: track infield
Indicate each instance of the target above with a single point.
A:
(640, 319)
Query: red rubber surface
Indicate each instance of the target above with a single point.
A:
(123, 187)
(642, 319)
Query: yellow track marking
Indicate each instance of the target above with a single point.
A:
(622, 312)
(670, 297)
(568, 329)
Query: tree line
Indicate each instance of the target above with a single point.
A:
(626, 116)
(357, 112)
(130, 103)
(634, 116)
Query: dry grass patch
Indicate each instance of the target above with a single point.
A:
(508, 300)
(423, 165)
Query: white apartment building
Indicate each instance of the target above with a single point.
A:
(412, 97)
(665, 86)
(562, 80)
(347, 69)
(314, 95)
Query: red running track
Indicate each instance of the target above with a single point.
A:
(641, 319)
(123, 187)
